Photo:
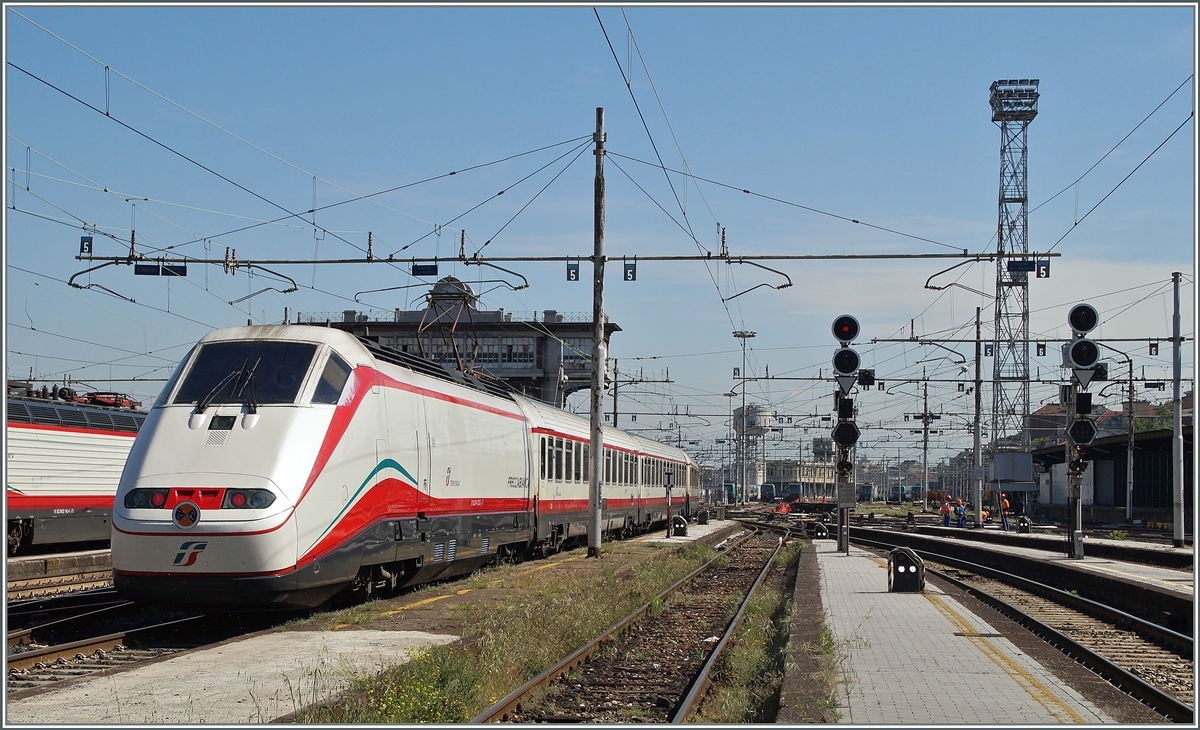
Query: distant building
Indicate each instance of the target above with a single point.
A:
(545, 357)
(1104, 486)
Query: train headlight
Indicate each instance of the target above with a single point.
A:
(247, 499)
(146, 499)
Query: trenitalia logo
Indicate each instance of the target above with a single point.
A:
(190, 550)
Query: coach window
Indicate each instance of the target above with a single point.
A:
(543, 459)
(333, 379)
(569, 448)
(558, 460)
(587, 463)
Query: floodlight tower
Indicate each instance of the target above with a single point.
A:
(1014, 105)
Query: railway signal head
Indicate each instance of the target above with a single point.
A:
(1083, 318)
(1082, 353)
(1082, 432)
(845, 328)
(845, 361)
(845, 434)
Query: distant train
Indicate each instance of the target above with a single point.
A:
(284, 464)
(63, 463)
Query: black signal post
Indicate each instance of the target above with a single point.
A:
(845, 434)
(1082, 355)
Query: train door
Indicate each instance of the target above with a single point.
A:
(408, 487)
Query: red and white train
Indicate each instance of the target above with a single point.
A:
(284, 464)
(63, 460)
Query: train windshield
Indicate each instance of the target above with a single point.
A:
(256, 373)
(166, 391)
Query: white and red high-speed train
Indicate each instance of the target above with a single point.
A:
(283, 464)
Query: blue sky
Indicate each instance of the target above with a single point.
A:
(875, 114)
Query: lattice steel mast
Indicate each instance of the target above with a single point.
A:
(1014, 105)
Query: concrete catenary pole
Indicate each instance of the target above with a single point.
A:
(599, 349)
(1177, 438)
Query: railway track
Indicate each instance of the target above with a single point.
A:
(653, 666)
(1148, 662)
(56, 585)
(72, 636)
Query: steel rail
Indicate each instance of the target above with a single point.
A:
(51, 654)
(68, 619)
(500, 711)
(26, 610)
(1138, 688)
(691, 701)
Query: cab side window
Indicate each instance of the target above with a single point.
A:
(333, 379)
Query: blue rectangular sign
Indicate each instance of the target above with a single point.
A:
(1019, 265)
(424, 269)
(174, 269)
(145, 270)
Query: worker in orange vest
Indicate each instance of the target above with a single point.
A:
(945, 511)
(961, 512)
(1003, 512)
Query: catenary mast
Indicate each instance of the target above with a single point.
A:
(1014, 106)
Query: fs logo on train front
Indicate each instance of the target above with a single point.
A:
(189, 550)
(187, 514)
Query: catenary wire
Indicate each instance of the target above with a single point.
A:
(1110, 192)
(789, 203)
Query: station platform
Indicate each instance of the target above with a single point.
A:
(924, 659)
(711, 534)
(1109, 565)
(1048, 539)
(253, 680)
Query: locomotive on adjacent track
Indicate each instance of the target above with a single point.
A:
(63, 463)
(284, 464)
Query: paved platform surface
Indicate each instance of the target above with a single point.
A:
(1175, 580)
(261, 678)
(695, 532)
(922, 658)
